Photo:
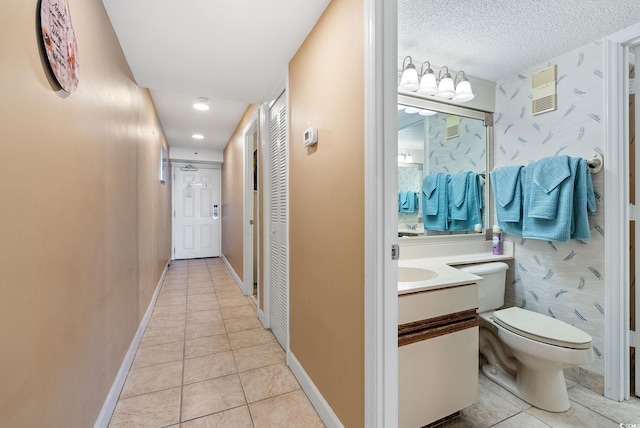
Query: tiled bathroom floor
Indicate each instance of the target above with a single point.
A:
(499, 408)
(206, 361)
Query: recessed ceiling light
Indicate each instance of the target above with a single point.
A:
(202, 104)
(197, 136)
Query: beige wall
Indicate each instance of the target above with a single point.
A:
(326, 90)
(232, 194)
(84, 220)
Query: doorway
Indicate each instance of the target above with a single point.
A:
(196, 211)
(251, 243)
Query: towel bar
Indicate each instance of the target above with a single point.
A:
(595, 163)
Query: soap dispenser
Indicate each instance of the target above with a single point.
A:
(497, 240)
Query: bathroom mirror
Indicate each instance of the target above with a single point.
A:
(438, 141)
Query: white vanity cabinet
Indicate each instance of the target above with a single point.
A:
(437, 354)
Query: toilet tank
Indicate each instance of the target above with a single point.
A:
(491, 287)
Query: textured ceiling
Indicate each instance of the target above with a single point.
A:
(234, 52)
(494, 39)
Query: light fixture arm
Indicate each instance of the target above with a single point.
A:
(446, 74)
(462, 79)
(428, 70)
(404, 62)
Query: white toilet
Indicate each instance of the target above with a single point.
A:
(526, 351)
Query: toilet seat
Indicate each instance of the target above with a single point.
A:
(542, 328)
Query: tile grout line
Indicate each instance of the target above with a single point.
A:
(244, 392)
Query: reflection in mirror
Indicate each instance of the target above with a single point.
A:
(442, 164)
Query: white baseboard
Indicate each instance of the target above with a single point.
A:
(235, 276)
(264, 320)
(323, 409)
(114, 393)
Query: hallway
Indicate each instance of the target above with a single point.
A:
(206, 361)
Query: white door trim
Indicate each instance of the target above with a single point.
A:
(247, 191)
(380, 219)
(264, 314)
(616, 188)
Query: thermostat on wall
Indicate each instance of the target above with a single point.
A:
(310, 136)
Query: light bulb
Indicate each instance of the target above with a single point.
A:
(445, 88)
(463, 92)
(428, 84)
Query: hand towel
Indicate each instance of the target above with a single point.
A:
(435, 206)
(407, 201)
(469, 211)
(550, 229)
(548, 174)
(429, 197)
(458, 189)
(506, 183)
(584, 201)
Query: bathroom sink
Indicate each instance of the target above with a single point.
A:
(409, 274)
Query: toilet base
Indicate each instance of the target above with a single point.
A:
(546, 390)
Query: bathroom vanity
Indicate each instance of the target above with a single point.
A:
(438, 331)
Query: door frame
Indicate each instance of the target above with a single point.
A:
(264, 292)
(616, 241)
(248, 222)
(199, 165)
(380, 219)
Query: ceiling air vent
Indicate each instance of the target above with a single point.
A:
(453, 126)
(543, 85)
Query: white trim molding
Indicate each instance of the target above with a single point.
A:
(233, 273)
(249, 222)
(323, 408)
(616, 187)
(114, 393)
(380, 127)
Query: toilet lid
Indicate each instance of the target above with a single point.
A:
(542, 328)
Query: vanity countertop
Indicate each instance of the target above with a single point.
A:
(444, 267)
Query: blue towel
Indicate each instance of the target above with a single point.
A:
(457, 195)
(430, 198)
(583, 200)
(548, 175)
(435, 213)
(507, 192)
(466, 207)
(407, 201)
(554, 229)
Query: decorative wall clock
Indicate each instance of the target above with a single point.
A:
(59, 42)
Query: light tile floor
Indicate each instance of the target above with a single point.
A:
(498, 408)
(206, 361)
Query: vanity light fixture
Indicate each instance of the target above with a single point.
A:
(405, 157)
(443, 87)
(202, 104)
(409, 79)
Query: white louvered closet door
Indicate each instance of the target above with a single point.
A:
(278, 198)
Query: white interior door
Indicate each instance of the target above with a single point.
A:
(278, 222)
(196, 212)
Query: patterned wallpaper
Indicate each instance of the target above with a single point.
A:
(465, 152)
(561, 279)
